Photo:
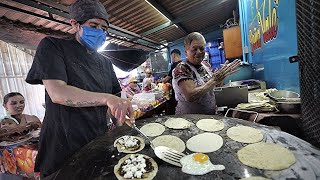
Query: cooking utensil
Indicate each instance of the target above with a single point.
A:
(289, 107)
(284, 96)
(145, 136)
(231, 96)
(133, 126)
(286, 101)
(242, 114)
(173, 157)
(251, 83)
(168, 155)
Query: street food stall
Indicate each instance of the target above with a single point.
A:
(262, 128)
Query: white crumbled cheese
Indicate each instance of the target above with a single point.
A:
(138, 174)
(121, 141)
(128, 141)
(134, 167)
(128, 175)
(142, 165)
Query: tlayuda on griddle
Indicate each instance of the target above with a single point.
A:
(129, 144)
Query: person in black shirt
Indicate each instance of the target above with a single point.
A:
(79, 88)
(175, 59)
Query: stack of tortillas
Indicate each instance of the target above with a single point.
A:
(266, 156)
(244, 134)
(205, 143)
(210, 125)
(178, 123)
(153, 129)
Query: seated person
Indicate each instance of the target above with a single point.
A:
(132, 88)
(11, 131)
(8, 122)
(14, 104)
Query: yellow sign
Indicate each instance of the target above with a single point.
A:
(266, 28)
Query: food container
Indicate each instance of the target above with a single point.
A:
(284, 96)
(289, 107)
(251, 83)
(287, 102)
(231, 96)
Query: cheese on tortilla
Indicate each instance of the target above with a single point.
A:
(125, 144)
(146, 176)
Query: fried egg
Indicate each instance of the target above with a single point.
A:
(198, 164)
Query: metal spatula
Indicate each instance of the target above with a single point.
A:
(173, 157)
(133, 126)
(145, 136)
(168, 155)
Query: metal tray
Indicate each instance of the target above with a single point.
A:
(231, 96)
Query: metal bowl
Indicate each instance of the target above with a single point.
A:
(289, 107)
(250, 83)
(284, 96)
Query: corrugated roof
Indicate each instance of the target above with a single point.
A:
(168, 34)
(22, 17)
(135, 16)
(211, 18)
(180, 7)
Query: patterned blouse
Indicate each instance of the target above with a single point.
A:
(200, 75)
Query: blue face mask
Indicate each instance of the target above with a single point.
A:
(92, 38)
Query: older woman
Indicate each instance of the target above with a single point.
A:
(14, 104)
(193, 80)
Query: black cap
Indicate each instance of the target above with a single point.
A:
(83, 10)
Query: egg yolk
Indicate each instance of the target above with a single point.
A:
(201, 158)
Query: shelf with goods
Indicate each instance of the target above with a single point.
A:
(151, 106)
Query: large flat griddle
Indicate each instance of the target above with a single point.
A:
(97, 159)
